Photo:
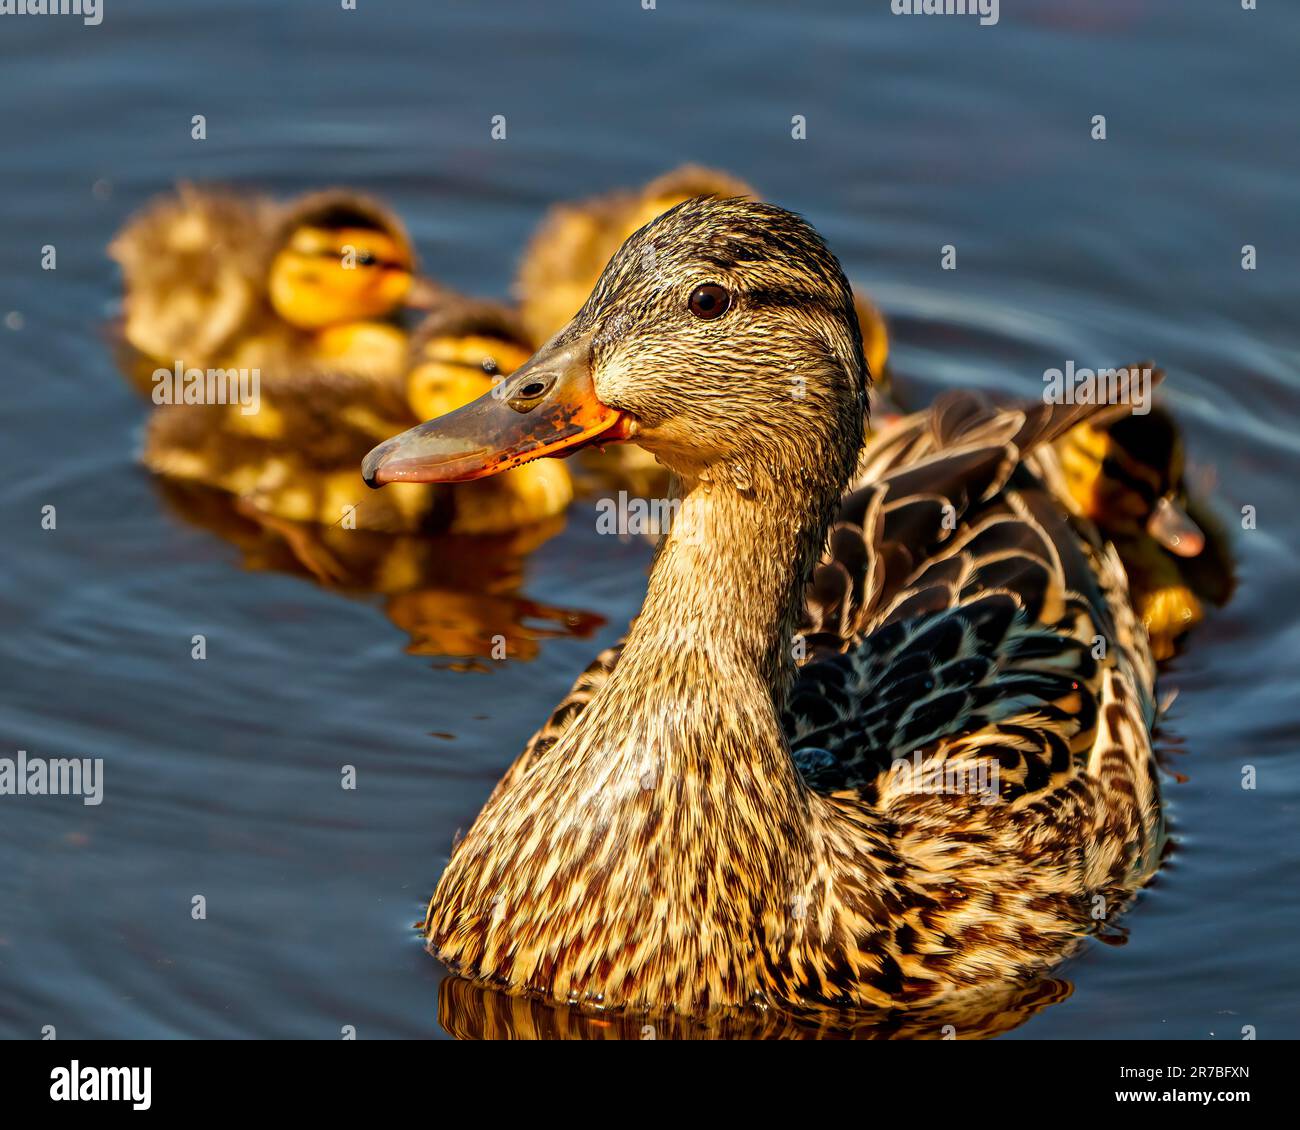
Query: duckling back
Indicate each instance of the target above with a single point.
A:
(193, 267)
(296, 457)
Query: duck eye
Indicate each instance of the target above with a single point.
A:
(709, 301)
(490, 366)
(365, 258)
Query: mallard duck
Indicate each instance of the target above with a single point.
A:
(213, 278)
(1128, 477)
(925, 772)
(295, 459)
(567, 253)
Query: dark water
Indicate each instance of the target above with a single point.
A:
(222, 776)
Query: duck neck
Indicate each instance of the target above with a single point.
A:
(691, 712)
(726, 591)
(661, 842)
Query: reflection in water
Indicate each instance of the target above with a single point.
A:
(476, 1012)
(455, 596)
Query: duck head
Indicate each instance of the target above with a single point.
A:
(343, 258)
(1128, 476)
(721, 337)
(461, 351)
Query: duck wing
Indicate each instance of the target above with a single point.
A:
(980, 640)
(956, 599)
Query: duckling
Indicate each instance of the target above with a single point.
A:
(1128, 477)
(859, 749)
(566, 255)
(295, 459)
(215, 279)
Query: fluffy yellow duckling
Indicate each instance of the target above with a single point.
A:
(1128, 477)
(215, 279)
(296, 459)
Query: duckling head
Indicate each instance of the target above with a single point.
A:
(722, 337)
(1128, 477)
(459, 353)
(342, 258)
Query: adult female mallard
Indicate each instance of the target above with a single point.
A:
(213, 278)
(295, 459)
(713, 824)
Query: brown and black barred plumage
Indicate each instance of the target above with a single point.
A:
(715, 818)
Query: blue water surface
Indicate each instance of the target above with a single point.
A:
(222, 776)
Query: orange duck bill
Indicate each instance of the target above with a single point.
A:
(548, 406)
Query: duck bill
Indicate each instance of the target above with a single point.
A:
(547, 407)
(1174, 529)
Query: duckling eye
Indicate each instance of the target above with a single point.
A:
(365, 258)
(490, 366)
(709, 301)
